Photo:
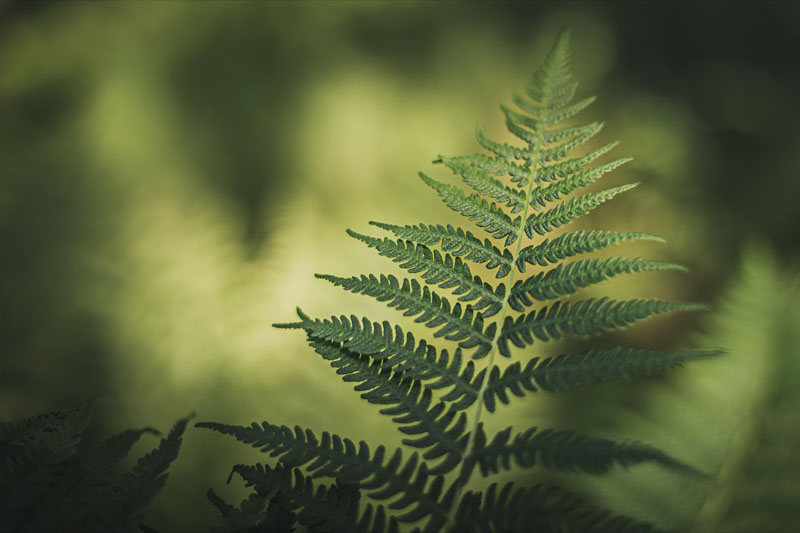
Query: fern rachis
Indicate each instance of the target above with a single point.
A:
(427, 390)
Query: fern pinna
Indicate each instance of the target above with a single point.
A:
(520, 192)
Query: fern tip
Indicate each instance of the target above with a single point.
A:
(294, 325)
(355, 234)
(288, 325)
(382, 225)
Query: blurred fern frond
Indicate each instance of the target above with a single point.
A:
(739, 413)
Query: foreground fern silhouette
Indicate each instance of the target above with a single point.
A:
(428, 390)
(48, 484)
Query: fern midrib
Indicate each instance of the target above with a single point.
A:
(499, 331)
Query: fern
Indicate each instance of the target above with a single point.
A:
(519, 193)
(740, 414)
(48, 484)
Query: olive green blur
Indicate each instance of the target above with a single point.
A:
(172, 175)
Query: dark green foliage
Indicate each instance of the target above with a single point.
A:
(538, 508)
(564, 451)
(48, 484)
(427, 390)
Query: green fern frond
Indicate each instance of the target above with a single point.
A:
(520, 191)
(566, 279)
(321, 508)
(548, 84)
(409, 402)
(582, 319)
(251, 516)
(443, 271)
(565, 451)
(424, 367)
(379, 341)
(486, 215)
(568, 210)
(124, 502)
(475, 171)
(539, 508)
(505, 151)
(578, 242)
(567, 371)
(339, 458)
(453, 323)
(458, 242)
(548, 118)
(542, 196)
(560, 151)
(567, 168)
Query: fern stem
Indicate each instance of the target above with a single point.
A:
(461, 480)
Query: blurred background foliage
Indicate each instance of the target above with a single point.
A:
(172, 174)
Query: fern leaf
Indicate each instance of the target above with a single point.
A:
(458, 242)
(565, 451)
(425, 366)
(475, 170)
(444, 271)
(540, 119)
(539, 508)
(568, 210)
(578, 242)
(324, 508)
(549, 82)
(560, 151)
(569, 132)
(380, 341)
(485, 215)
(541, 196)
(583, 318)
(124, 502)
(408, 401)
(563, 113)
(567, 371)
(564, 280)
(339, 458)
(564, 169)
(253, 515)
(505, 151)
(452, 323)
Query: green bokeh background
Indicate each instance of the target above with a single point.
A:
(172, 174)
